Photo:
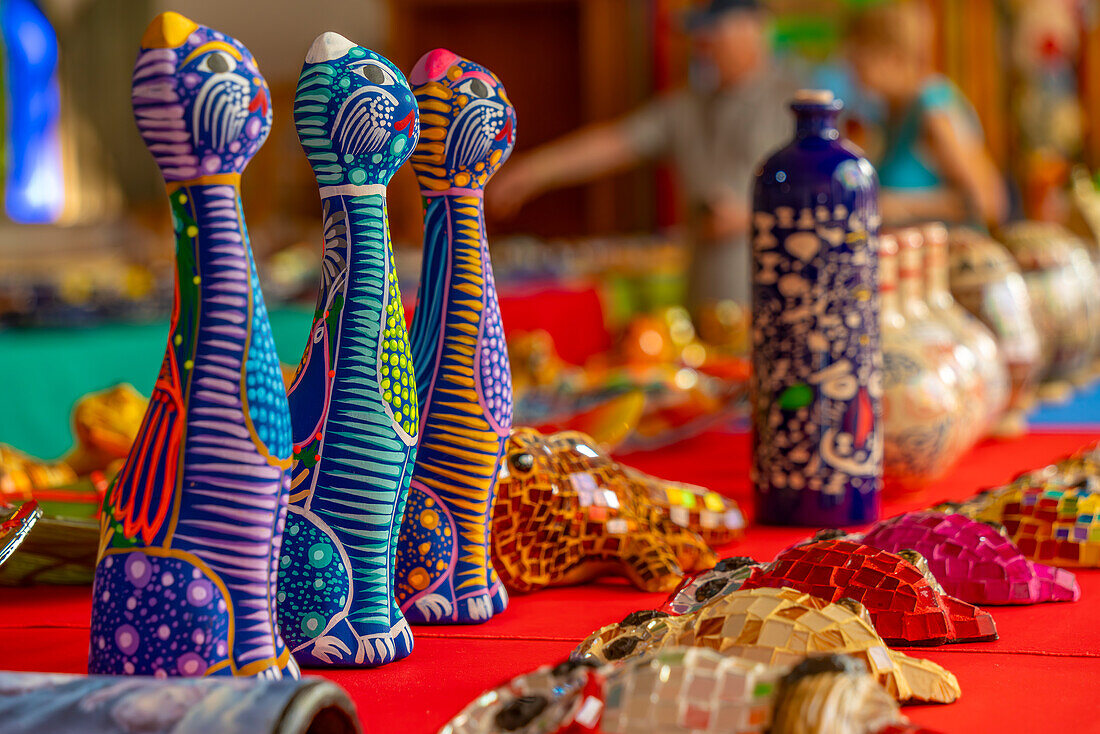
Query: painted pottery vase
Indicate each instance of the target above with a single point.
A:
(353, 404)
(192, 525)
(986, 281)
(920, 407)
(956, 364)
(973, 335)
(816, 383)
(463, 380)
(1063, 287)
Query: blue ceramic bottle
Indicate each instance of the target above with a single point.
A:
(817, 385)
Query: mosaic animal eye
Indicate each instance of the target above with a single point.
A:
(520, 712)
(376, 73)
(218, 62)
(523, 462)
(474, 88)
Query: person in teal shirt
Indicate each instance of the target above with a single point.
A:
(933, 164)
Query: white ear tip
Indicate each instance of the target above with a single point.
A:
(328, 46)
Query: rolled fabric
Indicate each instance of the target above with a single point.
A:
(104, 704)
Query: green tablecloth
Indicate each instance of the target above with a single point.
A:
(43, 372)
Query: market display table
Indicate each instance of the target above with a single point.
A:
(1041, 675)
(44, 371)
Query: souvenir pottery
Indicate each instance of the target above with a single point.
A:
(192, 525)
(702, 588)
(986, 281)
(444, 574)
(102, 704)
(1061, 283)
(687, 689)
(1052, 515)
(566, 513)
(15, 527)
(776, 627)
(955, 363)
(353, 403)
(816, 383)
(906, 603)
(920, 408)
(975, 338)
(973, 561)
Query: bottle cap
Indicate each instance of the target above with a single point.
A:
(813, 96)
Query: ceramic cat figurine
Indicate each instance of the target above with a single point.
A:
(192, 526)
(444, 572)
(353, 401)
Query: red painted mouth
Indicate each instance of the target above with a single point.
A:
(259, 101)
(406, 121)
(506, 131)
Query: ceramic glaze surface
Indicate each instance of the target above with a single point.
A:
(192, 526)
(989, 366)
(920, 407)
(1062, 284)
(986, 281)
(816, 389)
(444, 572)
(353, 401)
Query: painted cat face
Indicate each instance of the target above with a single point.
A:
(355, 113)
(200, 103)
(469, 122)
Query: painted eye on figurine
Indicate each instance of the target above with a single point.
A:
(522, 462)
(473, 88)
(376, 73)
(217, 62)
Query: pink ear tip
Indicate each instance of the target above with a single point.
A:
(432, 65)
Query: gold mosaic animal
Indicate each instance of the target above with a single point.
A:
(566, 513)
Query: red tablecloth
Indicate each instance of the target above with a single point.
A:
(1039, 676)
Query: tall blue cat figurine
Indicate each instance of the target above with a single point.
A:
(353, 401)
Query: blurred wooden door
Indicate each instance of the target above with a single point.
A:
(564, 63)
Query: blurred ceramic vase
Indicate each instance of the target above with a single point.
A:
(816, 385)
(920, 400)
(986, 281)
(992, 373)
(957, 364)
(1063, 287)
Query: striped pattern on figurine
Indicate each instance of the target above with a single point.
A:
(192, 525)
(353, 399)
(444, 572)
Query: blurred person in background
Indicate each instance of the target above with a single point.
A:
(715, 131)
(934, 164)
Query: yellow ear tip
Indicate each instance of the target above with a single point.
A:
(168, 30)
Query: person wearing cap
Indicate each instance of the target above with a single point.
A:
(715, 131)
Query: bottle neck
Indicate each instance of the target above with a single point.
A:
(910, 281)
(936, 278)
(815, 121)
(888, 286)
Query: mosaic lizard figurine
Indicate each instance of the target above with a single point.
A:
(192, 526)
(353, 404)
(464, 383)
(682, 690)
(776, 627)
(566, 513)
(907, 604)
